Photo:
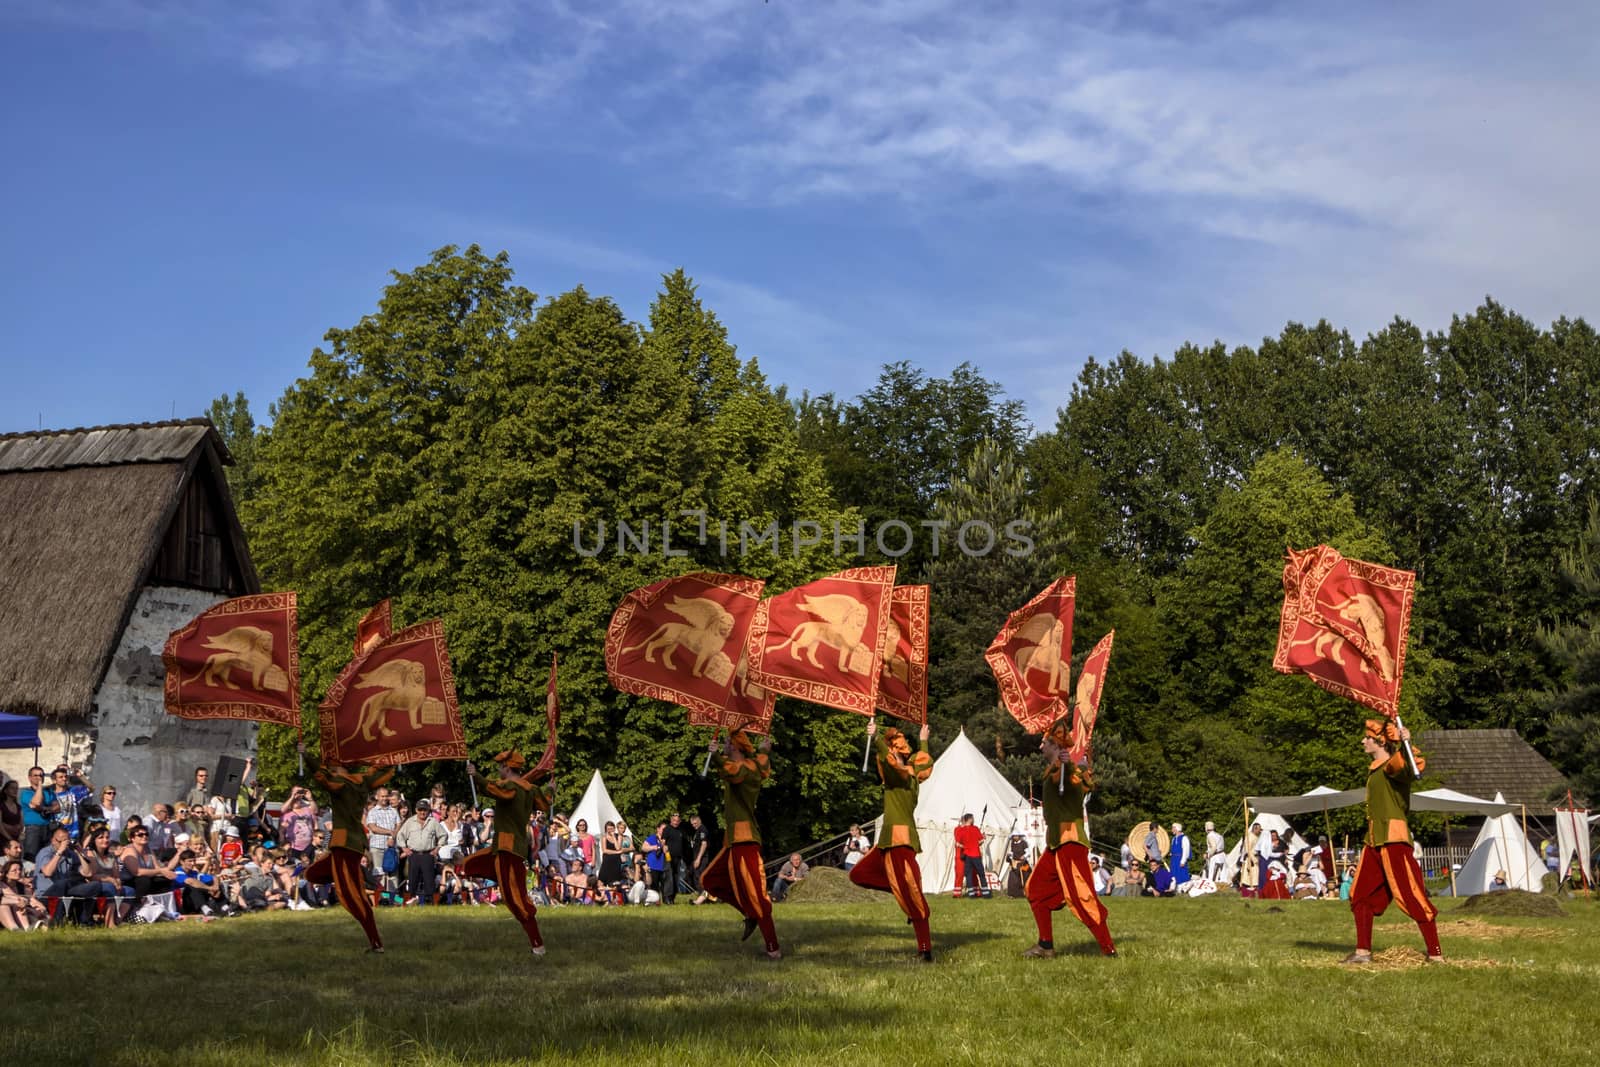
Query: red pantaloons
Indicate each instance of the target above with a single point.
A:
(1062, 878)
(342, 867)
(736, 876)
(1386, 873)
(510, 873)
(895, 870)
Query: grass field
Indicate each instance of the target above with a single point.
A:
(1215, 980)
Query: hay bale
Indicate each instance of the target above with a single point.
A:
(1513, 902)
(827, 885)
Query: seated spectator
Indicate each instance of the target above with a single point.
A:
(232, 847)
(1102, 877)
(13, 851)
(147, 874)
(259, 889)
(110, 814)
(856, 846)
(794, 869)
(102, 875)
(55, 869)
(1499, 885)
(199, 892)
(19, 908)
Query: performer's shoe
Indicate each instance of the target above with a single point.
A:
(926, 956)
(1108, 952)
(774, 953)
(1038, 952)
(749, 928)
(1357, 958)
(1435, 959)
(537, 950)
(376, 950)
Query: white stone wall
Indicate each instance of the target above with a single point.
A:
(148, 755)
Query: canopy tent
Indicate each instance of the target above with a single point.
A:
(1324, 799)
(1500, 846)
(1572, 840)
(964, 783)
(19, 731)
(596, 807)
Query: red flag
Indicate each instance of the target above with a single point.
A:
(823, 641)
(375, 627)
(239, 659)
(748, 704)
(1031, 656)
(1086, 698)
(1345, 623)
(395, 704)
(903, 676)
(677, 640)
(552, 715)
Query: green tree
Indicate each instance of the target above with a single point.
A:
(1572, 701)
(237, 428)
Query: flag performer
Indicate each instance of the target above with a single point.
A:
(350, 788)
(1387, 869)
(515, 798)
(736, 875)
(1062, 877)
(891, 864)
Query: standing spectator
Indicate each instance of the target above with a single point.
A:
(110, 812)
(677, 858)
(437, 804)
(63, 797)
(1153, 852)
(1180, 856)
(610, 856)
(195, 801)
(699, 852)
(855, 846)
(35, 817)
(1216, 853)
(454, 847)
(969, 846)
(655, 861)
(586, 847)
(298, 824)
(632, 857)
(1127, 857)
(419, 839)
(381, 822)
(163, 832)
(794, 869)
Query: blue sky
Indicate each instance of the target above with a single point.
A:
(196, 191)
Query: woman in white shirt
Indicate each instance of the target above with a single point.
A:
(855, 847)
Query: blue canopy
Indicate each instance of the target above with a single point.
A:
(19, 731)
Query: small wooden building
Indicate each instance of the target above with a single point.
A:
(112, 537)
(1485, 762)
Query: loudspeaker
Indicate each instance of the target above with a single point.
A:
(228, 779)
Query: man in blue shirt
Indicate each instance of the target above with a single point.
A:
(655, 859)
(35, 818)
(62, 798)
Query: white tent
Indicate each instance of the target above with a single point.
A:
(1572, 840)
(1319, 799)
(1500, 846)
(963, 783)
(595, 808)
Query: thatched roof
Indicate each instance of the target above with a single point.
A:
(1485, 762)
(85, 515)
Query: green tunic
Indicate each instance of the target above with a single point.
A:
(1389, 802)
(1063, 811)
(741, 786)
(348, 796)
(898, 828)
(514, 804)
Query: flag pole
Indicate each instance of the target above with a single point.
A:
(705, 768)
(1410, 756)
(866, 753)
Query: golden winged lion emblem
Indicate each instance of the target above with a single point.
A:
(405, 688)
(896, 665)
(1043, 653)
(840, 621)
(705, 629)
(245, 648)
